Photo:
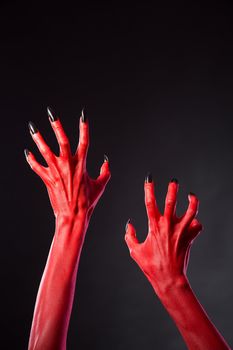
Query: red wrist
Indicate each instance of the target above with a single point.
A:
(169, 285)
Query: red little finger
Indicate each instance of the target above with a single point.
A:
(130, 236)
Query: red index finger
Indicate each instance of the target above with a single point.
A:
(150, 202)
(61, 136)
(171, 199)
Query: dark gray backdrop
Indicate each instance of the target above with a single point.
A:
(157, 84)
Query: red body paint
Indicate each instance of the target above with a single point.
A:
(163, 258)
(73, 195)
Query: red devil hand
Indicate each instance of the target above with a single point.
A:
(72, 192)
(163, 257)
(73, 195)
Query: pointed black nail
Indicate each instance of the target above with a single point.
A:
(192, 194)
(83, 116)
(52, 116)
(32, 128)
(106, 158)
(174, 180)
(126, 226)
(149, 178)
(26, 152)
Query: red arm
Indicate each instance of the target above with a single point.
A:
(163, 258)
(73, 196)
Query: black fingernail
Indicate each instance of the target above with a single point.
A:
(126, 226)
(32, 128)
(26, 152)
(106, 158)
(174, 180)
(149, 178)
(83, 116)
(51, 114)
(192, 194)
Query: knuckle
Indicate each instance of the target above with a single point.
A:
(83, 205)
(44, 149)
(49, 155)
(169, 202)
(56, 181)
(149, 204)
(82, 147)
(64, 142)
(84, 143)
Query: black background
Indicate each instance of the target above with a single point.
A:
(157, 85)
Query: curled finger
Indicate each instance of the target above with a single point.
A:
(191, 211)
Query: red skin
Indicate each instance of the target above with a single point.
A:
(163, 258)
(73, 195)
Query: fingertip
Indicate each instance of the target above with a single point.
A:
(149, 178)
(193, 201)
(192, 196)
(127, 224)
(130, 230)
(105, 168)
(149, 192)
(149, 187)
(83, 137)
(172, 189)
(105, 164)
(149, 181)
(51, 114)
(83, 125)
(173, 184)
(83, 116)
(130, 235)
(174, 180)
(26, 153)
(32, 128)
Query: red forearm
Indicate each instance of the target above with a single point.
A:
(73, 196)
(190, 318)
(55, 296)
